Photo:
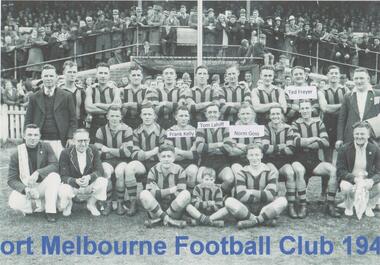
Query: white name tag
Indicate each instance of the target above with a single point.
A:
(180, 134)
(213, 124)
(302, 92)
(245, 131)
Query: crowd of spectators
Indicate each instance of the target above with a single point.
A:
(346, 33)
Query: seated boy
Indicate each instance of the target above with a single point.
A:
(165, 197)
(256, 189)
(207, 201)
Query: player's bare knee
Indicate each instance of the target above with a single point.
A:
(231, 204)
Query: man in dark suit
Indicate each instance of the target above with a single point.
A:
(82, 174)
(52, 109)
(360, 105)
(32, 176)
(359, 160)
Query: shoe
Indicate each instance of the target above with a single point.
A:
(349, 212)
(177, 223)
(92, 208)
(302, 211)
(67, 211)
(271, 222)
(247, 223)
(192, 222)
(332, 211)
(51, 217)
(120, 210)
(149, 223)
(291, 211)
(132, 209)
(106, 208)
(369, 212)
(217, 223)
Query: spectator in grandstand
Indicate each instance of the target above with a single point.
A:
(186, 78)
(209, 33)
(168, 34)
(10, 94)
(154, 22)
(117, 28)
(291, 32)
(116, 58)
(278, 36)
(304, 44)
(183, 17)
(103, 40)
(222, 35)
(35, 54)
(343, 53)
(89, 42)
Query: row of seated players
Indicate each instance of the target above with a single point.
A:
(293, 150)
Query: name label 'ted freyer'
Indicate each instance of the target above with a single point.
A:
(213, 124)
(245, 131)
(180, 134)
(301, 92)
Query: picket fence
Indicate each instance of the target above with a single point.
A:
(11, 122)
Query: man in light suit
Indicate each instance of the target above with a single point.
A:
(52, 109)
(355, 160)
(33, 176)
(360, 105)
(82, 175)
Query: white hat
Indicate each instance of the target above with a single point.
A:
(291, 17)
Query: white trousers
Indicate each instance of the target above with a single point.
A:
(48, 190)
(66, 193)
(346, 187)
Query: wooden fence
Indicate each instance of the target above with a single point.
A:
(11, 122)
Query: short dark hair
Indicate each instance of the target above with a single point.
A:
(134, 67)
(69, 64)
(166, 147)
(81, 130)
(361, 124)
(254, 146)
(184, 108)
(333, 67)
(297, 67)
(361, 70)
(147, 105)
(276, 107)
(213, 104)
(246, 105)
(236, 66)
(102, 64)
(49, 67)
(169, 67)
(201, 67)
(31, 126)
(209, 171)
(114, 108)
(267, 67)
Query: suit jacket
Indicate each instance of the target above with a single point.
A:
(349, 113)
(64, 112)
(46, 164)
(346, 160)
(69, 166)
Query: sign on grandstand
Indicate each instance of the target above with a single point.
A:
(301, 92)
(187, 36)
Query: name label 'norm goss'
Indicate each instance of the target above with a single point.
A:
(244, 131)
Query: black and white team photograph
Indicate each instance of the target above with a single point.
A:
(181, 132)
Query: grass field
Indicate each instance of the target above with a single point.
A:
(16, 227)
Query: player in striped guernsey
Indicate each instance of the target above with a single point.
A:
(146, 140)
(70, 70)
(185, 150)
(267, 96)
(99, 97)
(233, 94)
(214, 145)
(114, 141)
(330, 100)
(167, 98)
(278, 146)
(246, 116)
(165, 197)
(207, 201)
(132, 96)
(201, 95)
(309, 137)
(299, 80)
(256, 190)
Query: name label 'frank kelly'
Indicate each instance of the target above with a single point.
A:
(245, 131)
(301, 92)
(213, 124)
(180, 134)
